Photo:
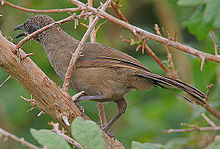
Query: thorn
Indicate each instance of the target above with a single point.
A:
(202, 62)
(30, 109)
(125, 40)
(134, 31)
(27, 55)
(76, 96)
(84, 25)
(143, 46)
(138, 47)
(76, 23)
(30, 101)
(39, 114)
(65, 119)
(2, 2)
(5, 81)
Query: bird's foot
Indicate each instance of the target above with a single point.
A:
(75, 98)
(106, 130)
(110, 134)
(81, 108)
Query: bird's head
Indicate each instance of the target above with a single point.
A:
(33, 24)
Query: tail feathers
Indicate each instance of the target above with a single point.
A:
(165, 82)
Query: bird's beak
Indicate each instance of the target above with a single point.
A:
(20, 27)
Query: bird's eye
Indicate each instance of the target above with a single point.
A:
(26, 27)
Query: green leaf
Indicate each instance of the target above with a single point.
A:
(88, 134)
(177, 143)
(134, 42)
(216, 144)
(197, 26)
(50, 139)
(216, 23)
(137, 145)
(190, 2)
(211, 10)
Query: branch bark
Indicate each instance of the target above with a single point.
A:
(50, 98)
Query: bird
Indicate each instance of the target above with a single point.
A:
(104, 73)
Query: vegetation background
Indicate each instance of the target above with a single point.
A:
(149, 112)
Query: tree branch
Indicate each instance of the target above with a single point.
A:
(21, 140)
(40, 11)
(146, 34)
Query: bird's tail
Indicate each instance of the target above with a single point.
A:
(169, 83)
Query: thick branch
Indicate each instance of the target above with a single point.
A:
(50, 98)
(146, 34)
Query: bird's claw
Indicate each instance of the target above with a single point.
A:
(81, 108)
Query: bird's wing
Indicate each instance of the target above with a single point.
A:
(96, 55)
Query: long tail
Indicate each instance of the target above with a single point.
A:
(167, 83)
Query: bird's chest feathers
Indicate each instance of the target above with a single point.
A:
(59, 58)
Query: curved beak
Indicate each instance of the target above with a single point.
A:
(20, 27)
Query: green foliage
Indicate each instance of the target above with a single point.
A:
(206, 17)
(137, 145)
(190, 2)
(197, 26)
(50, 139)
(176, 143)
(88, 134)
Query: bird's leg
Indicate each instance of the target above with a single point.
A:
(83, 98)
(122, 106)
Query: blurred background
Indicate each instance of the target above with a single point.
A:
(148, 112)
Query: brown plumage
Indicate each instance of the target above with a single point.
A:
(105, 74)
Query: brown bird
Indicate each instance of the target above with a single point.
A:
(104, 73)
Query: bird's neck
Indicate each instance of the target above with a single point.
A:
(58, 46)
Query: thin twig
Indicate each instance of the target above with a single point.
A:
(209, 88)
(146, 34)
(208, 120)
(153, 55)
(78, 50)
(196, 128)
(5, 81)
(214, 43)
(41, 11)
(117, 11)
(91, 18)
(21, 140)
(192, 129)
(66, 137)
(98, 28)
(169, 55)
